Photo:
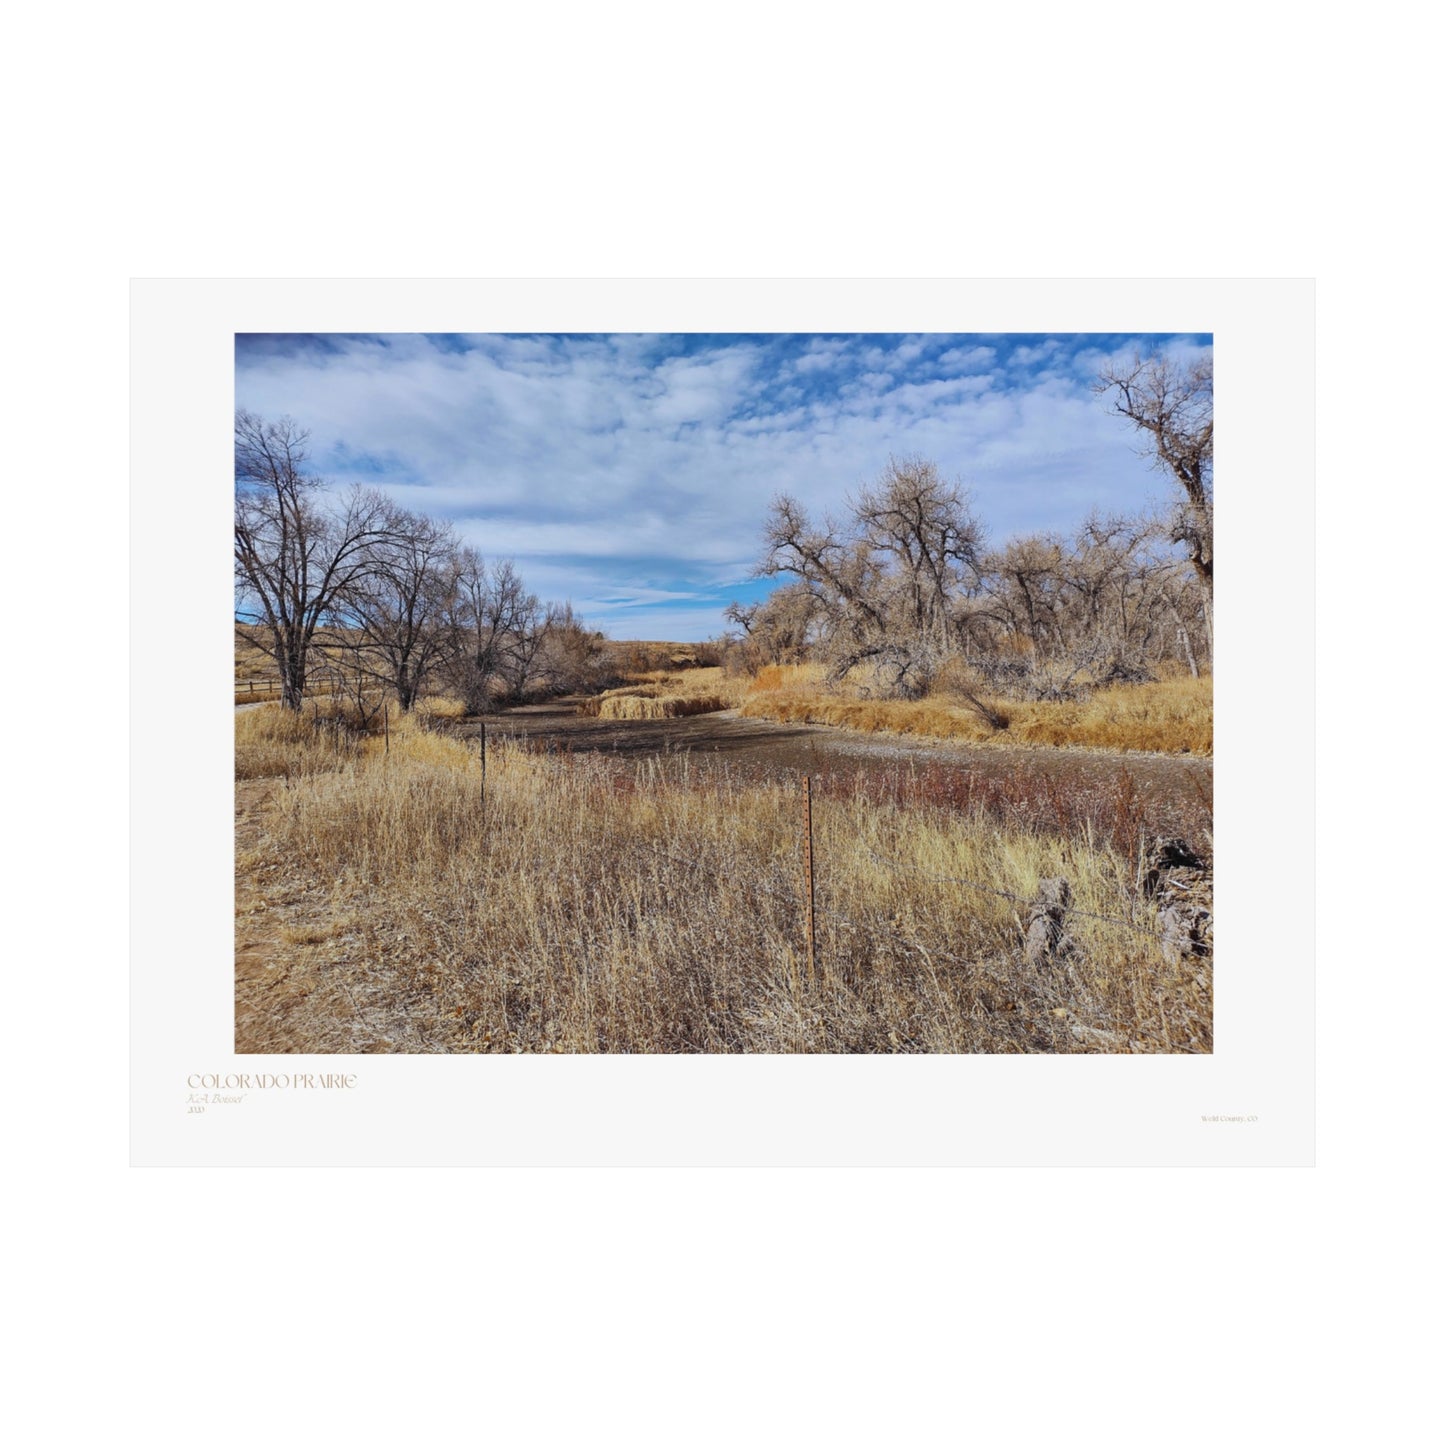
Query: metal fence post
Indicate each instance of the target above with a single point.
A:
(808, 871)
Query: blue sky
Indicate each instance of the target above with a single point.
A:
(632, 473)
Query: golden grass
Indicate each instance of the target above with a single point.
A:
(1174, 716)
(651, 708)
(251, 664)
(450, 709)
(1167, 717)
(663, 694)
(788, 676)
(273, 742)
(599, 906)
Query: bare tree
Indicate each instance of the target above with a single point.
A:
(571, 655)
(777, 629)
(395, 610)
(901, 598)
(523, 665)
(345, 672)
(1059, 615)
(1023, 582)
(1174, 404)
(294, 554)
(928, 539)
(883, 587)
(489, 623)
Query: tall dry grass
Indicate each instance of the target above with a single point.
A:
(329, 731)
(600, 906)
(274, 742)
(1172, 716)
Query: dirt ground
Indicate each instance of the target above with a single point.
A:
(1173, 788)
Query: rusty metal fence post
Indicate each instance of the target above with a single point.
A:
(808, 871)
(482, 730)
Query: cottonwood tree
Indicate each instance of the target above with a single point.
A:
(1105, 605)
(488, 623)
(777, 629)
(343, 670)
(572, 655)
(295, 552)
(1025, 585)
(1173, 403)
(1189, 609)
(883, 586)
(928, 541)
(523, 662)
(1112, 582)
(395, 610)
(1041, 642)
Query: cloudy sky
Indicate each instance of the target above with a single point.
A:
(631, 474)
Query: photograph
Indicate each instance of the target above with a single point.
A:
(681, 692)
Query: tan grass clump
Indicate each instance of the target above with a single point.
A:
(652, 708)
(592, 706)
(677, 694)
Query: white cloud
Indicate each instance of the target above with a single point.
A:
(965, 358)
(612, 468)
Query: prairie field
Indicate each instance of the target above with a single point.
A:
(389, 901)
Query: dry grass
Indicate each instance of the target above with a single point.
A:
(250, 662)
(1174, 716)
(663, 694)
(798, 677)
(273, 742)
(602, 906)
(448, 709)
(651, 708)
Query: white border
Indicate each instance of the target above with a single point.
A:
(756, 1110)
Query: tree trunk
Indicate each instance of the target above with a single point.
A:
(1187, 645)
(1188, 652)
(293, 680)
